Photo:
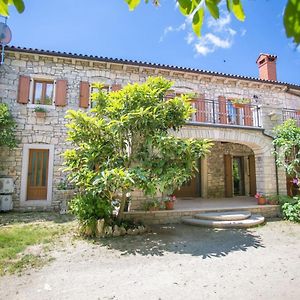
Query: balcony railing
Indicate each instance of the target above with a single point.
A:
(223, 112)
(291, 114)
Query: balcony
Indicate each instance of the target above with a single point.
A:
(291, 114)
(224, 113)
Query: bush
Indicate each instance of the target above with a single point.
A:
(7, 126)
(89, 209)
(291, 209)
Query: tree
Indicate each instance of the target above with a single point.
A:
(126, 143)
(197, 9)
(287, 143)
(7, 126)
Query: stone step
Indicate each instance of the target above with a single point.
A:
(224, 215)
(253, 220)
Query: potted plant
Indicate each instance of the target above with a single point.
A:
(40, 112)
(239, 102)
(170, 201)
(261, 199)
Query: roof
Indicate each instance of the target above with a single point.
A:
(145, 64)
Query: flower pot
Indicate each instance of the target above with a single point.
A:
(169, 205)
(273, 202)
(40, 114)
(153, 208)
(238, 105)
(261, 201)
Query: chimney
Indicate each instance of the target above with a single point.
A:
(267, 66)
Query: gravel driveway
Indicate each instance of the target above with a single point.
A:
(173, 262)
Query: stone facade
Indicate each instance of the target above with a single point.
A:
(271, 98)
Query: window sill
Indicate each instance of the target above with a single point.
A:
(31, 105)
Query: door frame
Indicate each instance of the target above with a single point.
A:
(24, 175)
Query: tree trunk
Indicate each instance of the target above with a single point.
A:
(122, 206)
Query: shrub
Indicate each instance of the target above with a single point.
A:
(291, 211)
(7, 126)
(89, 208)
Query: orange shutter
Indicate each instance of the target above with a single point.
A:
(248, 121)
(23, 90)
(116, 87)
(61, 93)
(201, 110)
(84, 94)
(222, 110)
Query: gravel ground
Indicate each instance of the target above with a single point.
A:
(173, 262)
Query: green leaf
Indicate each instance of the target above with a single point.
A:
(291, 20)
(3, 8)
(19, 4)
(186, 7)
(213, 8)
(132, 4)
(198, 21)
(237, 9)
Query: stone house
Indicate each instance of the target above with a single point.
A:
(241, 161)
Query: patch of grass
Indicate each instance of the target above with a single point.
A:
(16, 237)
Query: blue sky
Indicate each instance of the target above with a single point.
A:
(160, 35)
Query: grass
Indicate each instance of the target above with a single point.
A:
(20, 232)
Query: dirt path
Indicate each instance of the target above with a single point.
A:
(174, 262)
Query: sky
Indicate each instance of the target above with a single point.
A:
(159, 35)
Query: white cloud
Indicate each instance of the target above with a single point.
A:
(169, 29)
(220, 33)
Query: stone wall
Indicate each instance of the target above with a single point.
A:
(51, 129)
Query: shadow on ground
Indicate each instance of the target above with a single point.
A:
(183, 239)
(7, 218)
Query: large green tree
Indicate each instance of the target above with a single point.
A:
(126, 143)
(198, 8)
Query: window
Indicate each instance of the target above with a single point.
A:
(43, 92)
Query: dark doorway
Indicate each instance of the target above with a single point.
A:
(238, 176)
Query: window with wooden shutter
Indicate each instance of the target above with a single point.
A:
(200, 108)
(43, 92)
(84, 94)
(61, 93)
(23, 89)
(248, 118)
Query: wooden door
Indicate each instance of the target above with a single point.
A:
(228, 175)
(37, 180)
(188, 189)
(252, 175)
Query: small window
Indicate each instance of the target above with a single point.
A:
(43, 92)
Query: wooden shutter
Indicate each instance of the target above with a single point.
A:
(228, 175)
(61, 92)
(201, 110)
(248, 121)
(222, 110)
(84, 94)
(116, 87)
(23, 89)
(252, 175)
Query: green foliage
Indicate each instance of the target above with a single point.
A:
(124, 143)
(287, 143)
(7, 126)
(4, 4)
(291, 210)
(39, 109)
(291, 20)
(89, 208)
(197, 8)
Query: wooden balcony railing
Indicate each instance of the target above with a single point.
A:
(291, 114)
(223, 112)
